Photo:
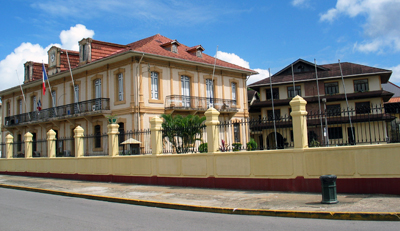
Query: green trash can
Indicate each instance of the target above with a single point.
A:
(328, 183)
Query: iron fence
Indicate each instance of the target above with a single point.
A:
(185, 139)
(65, 147)
(199, 103)
(134, 142)
(96, 144)
(264, 133)
(39, 148)
(2, 150)
(362, 125)
(18, 149)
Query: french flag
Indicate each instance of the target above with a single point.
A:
(44, 79)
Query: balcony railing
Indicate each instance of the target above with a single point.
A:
(93, 106)
(181, 102)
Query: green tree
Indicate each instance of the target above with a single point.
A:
(182, 132)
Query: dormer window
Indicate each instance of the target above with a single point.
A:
(27, 72)
(174, 48)
(85, 50)
(171, 46)
(196, 50)
(199, 53)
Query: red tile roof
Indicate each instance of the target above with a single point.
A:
(153, 45)
(102, 49)
(73, 59)
(394, 100)
(37, 72)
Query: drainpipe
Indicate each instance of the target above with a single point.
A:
(138, 93)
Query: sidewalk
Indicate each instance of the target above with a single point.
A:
(350, 206)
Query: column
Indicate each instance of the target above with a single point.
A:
(9, 146)
(51, 143)
(299, 122)
(212, 123)
(28, 145)
(156, 135)
(79, 151)
(112, 139)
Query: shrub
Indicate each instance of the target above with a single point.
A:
(224, 146)
(236, 146)
(314, 143)
(203, 148)
(251, 145)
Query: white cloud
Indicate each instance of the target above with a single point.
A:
(232, 58)
(395, 78)
(70, 38)
(262, 75)
(300, 3)
(235, 59)
(381, 26)
(35, 52)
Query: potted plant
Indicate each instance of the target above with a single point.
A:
(112, 119)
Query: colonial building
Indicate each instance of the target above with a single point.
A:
(134, 82)
(362, 85)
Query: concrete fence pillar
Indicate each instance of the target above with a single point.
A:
(299, 122)
(79, 151)
(51, 143)
(212, 123)
(112, 131)
(9, 147)
(28, 145)
(156, 135)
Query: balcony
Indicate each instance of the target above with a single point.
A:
(193, 103)
(76, 110)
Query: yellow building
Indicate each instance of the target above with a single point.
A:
(134, 82)
(331, 121)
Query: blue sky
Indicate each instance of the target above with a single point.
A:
(254, 34)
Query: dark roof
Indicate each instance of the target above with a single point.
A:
(324, 72)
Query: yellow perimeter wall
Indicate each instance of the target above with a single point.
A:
(369, 161)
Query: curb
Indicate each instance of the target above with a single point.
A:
(370, 216)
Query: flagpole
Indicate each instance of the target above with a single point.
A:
(212, 81)
(23, 94)
(273, 109)
(48, 82)
(72, 77)
(319, 102)
(347, 103)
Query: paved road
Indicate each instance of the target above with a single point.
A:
(21, 210)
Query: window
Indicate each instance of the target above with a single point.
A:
(27, 72)
(121, 130)
(185, 81)
(174, 48)
(34, 104)
(275, 93)
(363, 108)
(331, 88)
(333, 110)
(335, 133)
(270, 115)
(199, 53)
(83, 52)
(234, 91)
(8, 109)
(361, 85)
(19, 106)
(97, 136)
(34, 143)
(154, 85)
(97, 87)
(292, 94)
(209, 92)
(236, 132)
(120, 87)
(19, 142)
(76, 94)
(54, 98)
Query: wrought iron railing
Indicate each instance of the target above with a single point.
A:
(199, 103)
(92, 106)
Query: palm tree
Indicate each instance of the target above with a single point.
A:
(182, 132)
